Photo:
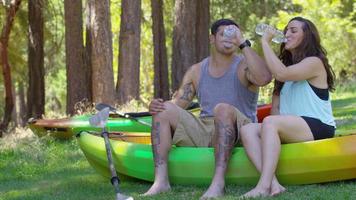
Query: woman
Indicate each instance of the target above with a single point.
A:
(301, 108)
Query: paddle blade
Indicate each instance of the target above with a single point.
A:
(101, 106)
(100, 119)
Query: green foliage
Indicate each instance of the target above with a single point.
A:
(54, 63)
(115, 11)
(17, 50)
(146, 57)
(344, 104)
(168, 18)
(18, 45)
(336, 21)
(56, 93)
(249, 13)
(146, 61)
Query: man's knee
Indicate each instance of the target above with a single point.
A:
(224, 111)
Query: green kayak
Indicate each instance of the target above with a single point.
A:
(300, 163)
(65, 128)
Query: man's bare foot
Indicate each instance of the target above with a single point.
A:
(256, 192)
(276, 189)
(157, 188)
(213, 191)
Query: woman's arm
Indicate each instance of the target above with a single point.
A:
(308, 68)
(275, 105)
(255, 68)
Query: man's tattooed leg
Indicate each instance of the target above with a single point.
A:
(225, 135)
(159, 148)
(224, 139)
(156, 141)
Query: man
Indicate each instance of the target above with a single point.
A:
(226, 85)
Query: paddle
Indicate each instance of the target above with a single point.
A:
(99, 120)
(101, 106)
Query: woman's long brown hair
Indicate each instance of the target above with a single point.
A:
(310, 46)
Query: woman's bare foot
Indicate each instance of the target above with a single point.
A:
(256, 192)
(157, 188)
(276, 188)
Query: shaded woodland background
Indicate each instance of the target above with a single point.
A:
(54, 54)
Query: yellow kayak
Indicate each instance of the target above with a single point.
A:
(300, 163)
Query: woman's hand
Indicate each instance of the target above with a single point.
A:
(268, 34)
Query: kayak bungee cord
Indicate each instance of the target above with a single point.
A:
(101, 106)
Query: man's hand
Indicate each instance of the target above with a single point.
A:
(156, 106)
(240, 38)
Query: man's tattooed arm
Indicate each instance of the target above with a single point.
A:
(188, 92)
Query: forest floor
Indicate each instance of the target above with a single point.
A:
(33, 168)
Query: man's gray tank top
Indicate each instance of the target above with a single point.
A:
(225, 89)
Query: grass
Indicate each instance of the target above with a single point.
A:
(344, 107)
(34, 168)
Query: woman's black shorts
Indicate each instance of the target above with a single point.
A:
(319, 129)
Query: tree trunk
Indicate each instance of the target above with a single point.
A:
(4, 40)
(22, 105)
(36, 90)
(128, 84)
(101, 52)
(161, 83)
(87, 52)
(190, 36)
(14, 117)
(202, 30)
(183, 39)
(77, 82)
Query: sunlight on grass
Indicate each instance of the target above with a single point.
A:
(344, 107)
(343, 95)
(17, 137)
(133, 106)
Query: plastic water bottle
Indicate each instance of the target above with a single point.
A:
(278, 37)
(229, 32)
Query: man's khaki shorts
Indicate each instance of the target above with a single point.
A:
(194, 131)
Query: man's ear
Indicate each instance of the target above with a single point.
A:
(212, 38)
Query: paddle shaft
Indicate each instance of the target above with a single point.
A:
(114, 178)
(100, 120)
